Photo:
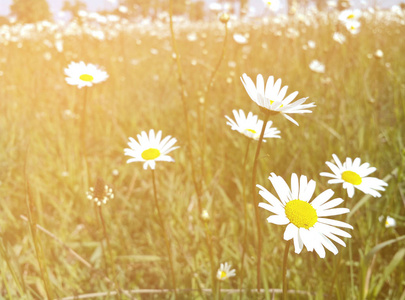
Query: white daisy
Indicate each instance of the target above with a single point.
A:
(389, 221)
(224, 272)
(305, 220)
(273, 5)
(272, 98)
(150, 149)
(339, 37)
(353, 27)
(353, 174)
(250, 126)
(317, 66)
(349, 15)
(82, 75)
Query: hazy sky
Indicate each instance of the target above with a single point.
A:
(94, 5)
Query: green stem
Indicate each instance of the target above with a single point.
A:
(114, 274)
(197, 186)
(207, 89)
(162, 225)
(255, 204)
(83, 136)
(244, 245)
(287, 247)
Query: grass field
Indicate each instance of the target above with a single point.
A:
(360, 112)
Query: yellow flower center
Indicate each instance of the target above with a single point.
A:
(301, 213)
(351, 177)
(150, 154)
(86, 77)
(351, 16)
(251, 130)
(223, 274)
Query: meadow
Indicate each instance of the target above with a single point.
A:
(47, 168)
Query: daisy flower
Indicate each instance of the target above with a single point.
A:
(250, 126)
(389, 221)
(273, 5)
(82, 75)
(150, 149)
(272, 98)
(305, 219)
(349, 15)
(339, 37)
(224, 272)
(317, 66)
(353, 27)
(353, 174)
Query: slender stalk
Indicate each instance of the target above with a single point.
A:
(255, 204)
(83, 120)
(245, 218)
(204, 116)
(351, 269)
(197, 186)
(162, 225)
(287, 247)
(219, 291)
(114, 273)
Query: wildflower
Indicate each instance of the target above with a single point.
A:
(339, 37)
(353, 174)
(250, 126)
(272, 98)
(305, 220)
(150, 149)
(240, 39)
(353, 27)
(349, 15)
(82, 75)
(205, 215)
(389, 221)
(224, 272)
(317, 66)
(378, 54)
(273, 5)
(101, 193)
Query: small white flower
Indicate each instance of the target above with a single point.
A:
(353, 174)
(353, 27)
(224, 272)
(250, 126)
(311, 44)
(317, 66)
(272, 97)
(389, 221)
(349, 15)
(240, 39)
(82, 75)
(150, 149)
(379, 53)
(339, 37)
(273, 5)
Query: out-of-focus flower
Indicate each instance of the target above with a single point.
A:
(273, 5)
(205, 215)
(389, 221)
(353, 174)
(378, 54)
(317, 66)
(339, 37)
(305, 219)
(311, 44)
(349, 15)
(272, 98)
(82, 75)
(150, 149)
(353, 26)
(250, 126)
(224, 272)
(240, 39)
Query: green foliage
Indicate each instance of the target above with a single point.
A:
(30, 11)
(360, 113)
